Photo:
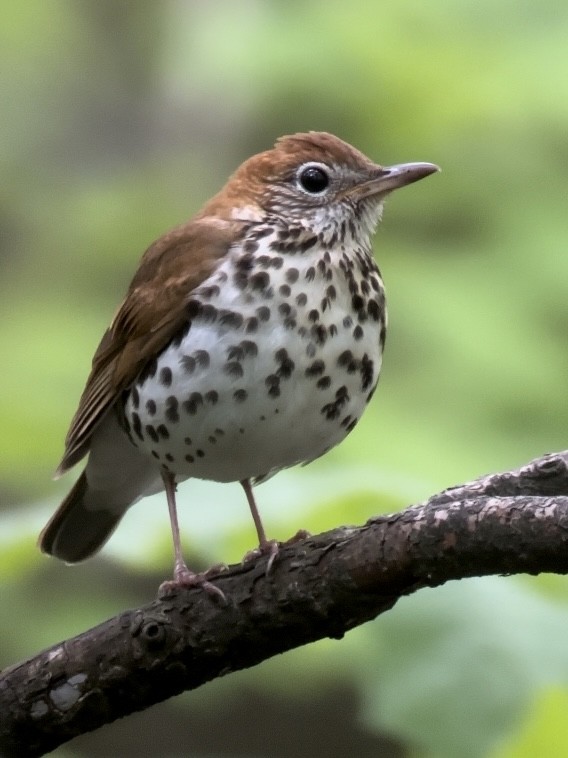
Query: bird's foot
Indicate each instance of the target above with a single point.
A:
(184, 577)
(267, 547)
(271, 548)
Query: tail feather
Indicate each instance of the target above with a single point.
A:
(116, 476)
(77, 531)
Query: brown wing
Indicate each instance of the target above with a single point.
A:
(152, 312)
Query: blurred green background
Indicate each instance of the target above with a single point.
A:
(119, 120)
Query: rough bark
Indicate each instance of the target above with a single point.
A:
(508, 523)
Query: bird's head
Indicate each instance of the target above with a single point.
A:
(316, 181)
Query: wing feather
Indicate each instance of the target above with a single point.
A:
(153, 310)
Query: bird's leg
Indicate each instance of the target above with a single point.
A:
(183, 576)
(265, 546)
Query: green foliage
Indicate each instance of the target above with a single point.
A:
(120, 120)
(545, 732)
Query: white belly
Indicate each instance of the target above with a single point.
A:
(231, 402)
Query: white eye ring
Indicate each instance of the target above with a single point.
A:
(313, 178)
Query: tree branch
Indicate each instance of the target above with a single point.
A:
(514, 522)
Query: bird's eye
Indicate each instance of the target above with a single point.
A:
(313, 179)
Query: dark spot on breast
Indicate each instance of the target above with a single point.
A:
(212, 440)
(310, 349)
(193, 402)
(373, 310)
(345, 358)
(262, 231)
(353, 286)
(310, 274)
(208, 313)
(212, 397)
(149, 371)
(366, 370)
(357, 302)
(316, 369)
(137, 426)
(284, 290)
(249, 348)
(342, 395)
(233, 369)
(277, 262)
(292, 275)
(319, 333)
(181, 334)
(272, 381)
(235, 353)
(263, 313)
(307, 244)
(219, 432)
(382, 336)
(250, 246)
(240, 395)
(323, 383)
(189, 458)
(245, 262)
(302, 299)
(193, 309)
(330, 411)
(231, 318)
(155, 454)
(313, 315)
(210, 291)
(331, 292)
(135, 398)
(150, 407)
(188, 363)
(260, 280)
(240, 279)
(199, 453)
(357, 333)
(163, 431)
(251, 325)
(284, 309)
(169, 457)
(287, 365)
(188, 441)
(347, 322)
(172, 409)
(202, 358)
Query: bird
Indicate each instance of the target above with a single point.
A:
(250, 340)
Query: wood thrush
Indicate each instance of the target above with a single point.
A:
(250, 340)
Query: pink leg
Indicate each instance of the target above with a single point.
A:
(182, 575)
(265, 546)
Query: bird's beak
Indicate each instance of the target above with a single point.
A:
(388, 178)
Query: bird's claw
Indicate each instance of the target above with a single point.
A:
(184, 577)
(269, 548)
